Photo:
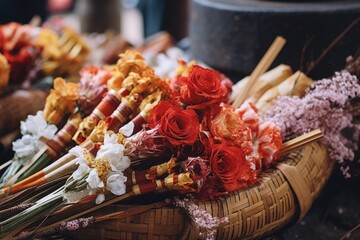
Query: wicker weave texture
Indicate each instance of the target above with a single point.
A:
(283, 195)
(157, 224)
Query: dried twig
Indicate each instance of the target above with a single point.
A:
(332, 45)
(348, 234)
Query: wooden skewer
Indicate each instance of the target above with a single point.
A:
(300, 141)
(4, 165)
(261, 68)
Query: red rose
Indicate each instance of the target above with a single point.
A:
(157, 112)
(229, 164)
(177, 125)
(202, 88)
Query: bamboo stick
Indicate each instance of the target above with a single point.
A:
(300, 141)
(261, 68)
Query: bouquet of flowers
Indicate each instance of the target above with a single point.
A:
(41, 140)
(183, 139)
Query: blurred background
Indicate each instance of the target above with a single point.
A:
(320, 34)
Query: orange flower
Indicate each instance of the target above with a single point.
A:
(132, 61)
(60, 101)
(226, 125)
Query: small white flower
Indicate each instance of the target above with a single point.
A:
(25, 147)
(32, 129)
(81, 171)
(37, 126)
(78, 152)
(116, 183)
(49, 131)
(27, 126)
(100, 198)
(93, 179)
(114, 153)
(176, 53)
(165, 64)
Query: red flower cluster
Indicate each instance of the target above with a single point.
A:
(222, 148)
(16, 45)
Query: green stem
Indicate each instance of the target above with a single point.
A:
(42, 207)
(14, 167)
(43, 161)
(34, 213)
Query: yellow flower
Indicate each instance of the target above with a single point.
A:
(115, 82)
(48, 41)
(98, 132)
(150, 102)
(60, 101)
(64, 54)
(132, 61)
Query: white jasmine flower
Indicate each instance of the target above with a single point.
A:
(165, 64)
(32, 129)
(25, 147)
(37, 126)
(114, 153)
(116, 183)
(81, 171)
(93, 180)
(78, 152)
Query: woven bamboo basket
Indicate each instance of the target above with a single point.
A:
(283, 196)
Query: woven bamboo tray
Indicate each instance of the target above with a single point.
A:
(283, 196)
